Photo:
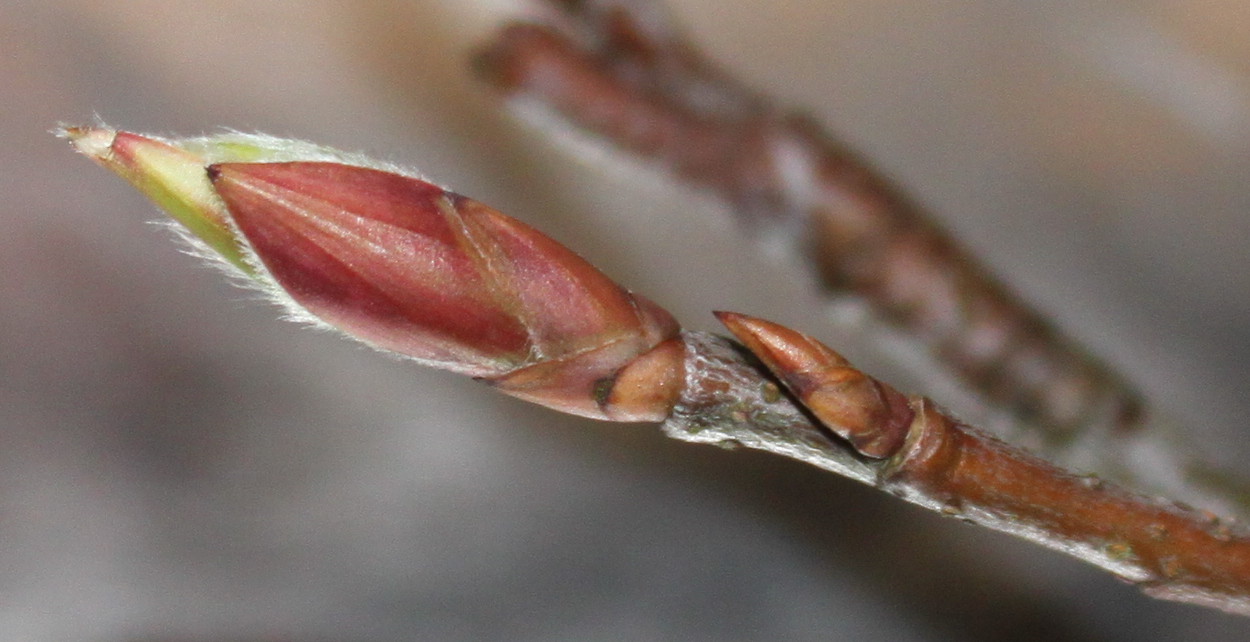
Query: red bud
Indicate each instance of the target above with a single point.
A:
(406, 266)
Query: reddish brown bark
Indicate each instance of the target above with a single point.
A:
(1170, 550)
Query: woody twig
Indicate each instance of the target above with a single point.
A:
(908, 446)
(410, 268)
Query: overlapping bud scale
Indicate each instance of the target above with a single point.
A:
(406, 266)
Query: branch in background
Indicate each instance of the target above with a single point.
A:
(620, 71)
(405, 266)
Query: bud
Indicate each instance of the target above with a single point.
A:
(868, 413)
(408, 267)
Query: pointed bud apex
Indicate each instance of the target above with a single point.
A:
(868, 413)
(405, 266)
(171, 177)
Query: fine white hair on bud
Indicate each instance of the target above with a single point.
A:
(372, 250)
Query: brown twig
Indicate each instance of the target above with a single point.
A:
(1170, 550)
(634, 81)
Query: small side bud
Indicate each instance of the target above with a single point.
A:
(868, 413)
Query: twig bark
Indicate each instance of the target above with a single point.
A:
(1169, 550)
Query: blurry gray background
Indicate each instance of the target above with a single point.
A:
(177, 465)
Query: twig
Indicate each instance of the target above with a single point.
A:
(1170, 550)
(411, 268)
